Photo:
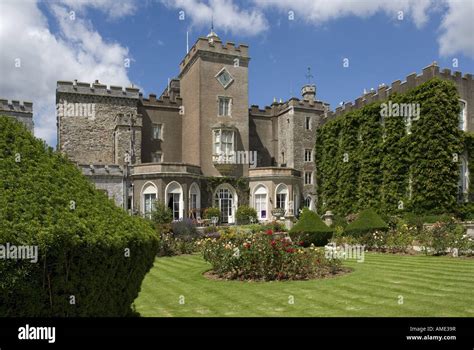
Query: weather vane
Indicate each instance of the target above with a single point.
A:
(309, 76)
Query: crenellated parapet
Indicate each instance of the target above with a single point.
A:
(163, 101)
(16, 106)
(97, 88)
(215, 46)
(464, 84)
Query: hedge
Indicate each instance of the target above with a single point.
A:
(364, 161)
(367, 221)
(92, 256)
(310, 229)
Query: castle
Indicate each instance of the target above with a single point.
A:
(170, 148)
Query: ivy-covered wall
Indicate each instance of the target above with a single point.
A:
(364, 160)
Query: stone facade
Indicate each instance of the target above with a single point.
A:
(168, 148)
(21, 111)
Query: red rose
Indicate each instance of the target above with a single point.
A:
(273, 243)
(269, 232)
(301, 243)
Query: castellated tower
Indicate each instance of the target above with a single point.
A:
(214, 89)
(97, 125)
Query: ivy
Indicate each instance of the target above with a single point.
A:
(364, 160)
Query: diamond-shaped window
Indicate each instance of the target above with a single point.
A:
(224, 78)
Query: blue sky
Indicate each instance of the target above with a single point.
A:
(380, 47)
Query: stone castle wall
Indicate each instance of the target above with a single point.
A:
(21, 111)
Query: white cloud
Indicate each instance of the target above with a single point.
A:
(75, 52)
(113, 8)
(458, 29)
(228, 16)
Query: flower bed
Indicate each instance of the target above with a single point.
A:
(263, 256)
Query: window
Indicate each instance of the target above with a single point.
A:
(149, 199)
(307, 202)
(281, 196)
(157, 131)
(307, 123)
(261, 202)
(308, 155)
(157, 157)
(223, 149)
(224, 78)
(463, 116)
(225, 106)
(308, 178)
(463, 177)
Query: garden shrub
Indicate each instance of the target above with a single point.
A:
(367, 221)
(184, 229)
(310, 229)
(261, 256)
(245, 215)
(161, 213)
(87, 246)
(209, 213)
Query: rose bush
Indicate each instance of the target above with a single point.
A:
(265, 256)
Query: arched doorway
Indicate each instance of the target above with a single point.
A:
(149, 196)
(225, 198)
(194, 201)
(260, 199)
(174, 199)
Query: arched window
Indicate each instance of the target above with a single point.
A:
(149, 196)
(282, 196)
(174, 199)
(225, 198)
(260, 202)
(307, 202)
(194, 201)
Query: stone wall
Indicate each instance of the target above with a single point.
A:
(87, 120)
(21, 111)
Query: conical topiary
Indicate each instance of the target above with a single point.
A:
(367, 221)
(310, 229)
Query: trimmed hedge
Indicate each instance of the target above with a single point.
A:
(364, 161)
(310, 229)
(92, 256)
(367, 221)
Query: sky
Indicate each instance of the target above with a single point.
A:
(140, 42)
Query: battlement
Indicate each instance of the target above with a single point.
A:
(97, 89)
(16, 106)
(163, 101)
(398, 86)
(215, 46)
(255, 110)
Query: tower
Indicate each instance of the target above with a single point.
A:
(214, 87)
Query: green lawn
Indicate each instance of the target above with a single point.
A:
(430, 286)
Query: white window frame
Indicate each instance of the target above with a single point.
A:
(219, 151)
(282, 190)
(261, 201)
(229, 106)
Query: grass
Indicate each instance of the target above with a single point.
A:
(429, 286)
